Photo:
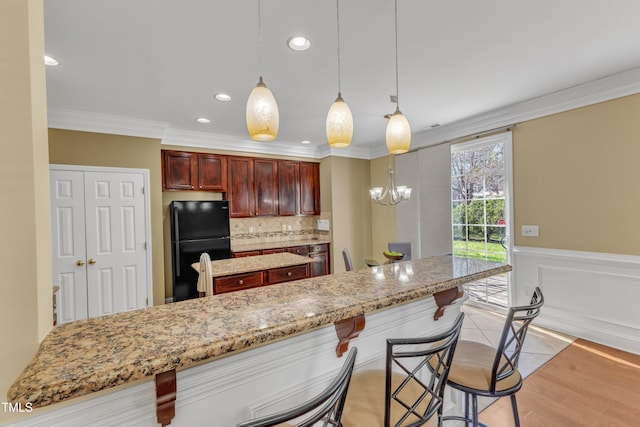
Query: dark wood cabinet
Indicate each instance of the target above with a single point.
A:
(240, 187)
(246, 253)
(179, 170)
(266, 187)
(212, 172)
(309, 188)
(288, 187)
(287, 274)
(254, 186)
(320, 265)
(186, 171)
(298, 188)
(299, 250)
(238, 282)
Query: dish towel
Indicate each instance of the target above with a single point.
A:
(205, 278)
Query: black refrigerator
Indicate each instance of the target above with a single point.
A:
(196, 227)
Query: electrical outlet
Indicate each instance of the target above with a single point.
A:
(250, 230)
(530, 231)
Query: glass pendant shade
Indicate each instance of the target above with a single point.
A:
(398, 134)
(339, 124)
(262, 114)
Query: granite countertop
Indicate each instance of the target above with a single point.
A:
(90, 355)
(276, 245)
(226, 267)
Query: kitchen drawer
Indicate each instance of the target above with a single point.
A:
(299, 250)
(272, 251)
(285, 274)
(321, 247)
(245, 253)
(237, 282)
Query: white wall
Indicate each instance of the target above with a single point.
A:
(425, 220)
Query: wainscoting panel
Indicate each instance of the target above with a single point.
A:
(589, 295)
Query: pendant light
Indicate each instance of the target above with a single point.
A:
(262, 110)
(339, 124)
(398, 129)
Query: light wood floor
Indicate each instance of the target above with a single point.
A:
(587, 384)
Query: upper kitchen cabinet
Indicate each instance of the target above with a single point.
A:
(298, 188)
(183, 170)
(240, 187)
(288, 187)
(252, 187)
(266, 186)
(212, 172)
(309, 188)
(179, 170)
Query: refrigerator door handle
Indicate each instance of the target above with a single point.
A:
(177, 259)
(176, 227)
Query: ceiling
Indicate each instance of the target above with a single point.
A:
(156, 64)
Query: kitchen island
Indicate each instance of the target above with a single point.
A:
(124, 352)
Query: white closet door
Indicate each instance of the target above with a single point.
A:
(116, 253)
(69, 252)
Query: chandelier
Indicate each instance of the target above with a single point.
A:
(391, 194)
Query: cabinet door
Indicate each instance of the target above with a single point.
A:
(179, 170)
(288, 187)
(266, 187)
(320, 264)
(240, 187)
(212, 172)
(309, 188)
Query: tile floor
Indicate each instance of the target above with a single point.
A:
(540, 345)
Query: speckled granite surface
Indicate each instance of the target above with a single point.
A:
(226, 267)
(275, 245)
(86, 356)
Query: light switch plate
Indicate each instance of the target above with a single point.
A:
(530, 231)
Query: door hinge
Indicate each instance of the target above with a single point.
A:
(145, 246)
(143, 190)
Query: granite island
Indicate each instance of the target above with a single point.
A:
(120, 355)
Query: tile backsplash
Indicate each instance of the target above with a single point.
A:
(276, 228)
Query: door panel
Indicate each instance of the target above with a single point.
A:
(116, 250)
(69, 251)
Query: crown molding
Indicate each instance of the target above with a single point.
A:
(600, 90)
(593, 92)
(86, 121)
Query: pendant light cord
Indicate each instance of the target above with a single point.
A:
(396, 32)
(259, 39)
(338, 23)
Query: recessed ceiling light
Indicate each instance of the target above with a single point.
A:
(222, 97)
(306, 141)
(203, 120)
(49, 60)
(298, 43)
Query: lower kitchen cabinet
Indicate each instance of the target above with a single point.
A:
(238, 282)
(287, 274)
(320, 256)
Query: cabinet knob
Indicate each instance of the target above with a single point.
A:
(92, 261)
(240, 282)
(80, 263)
(289, 273)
